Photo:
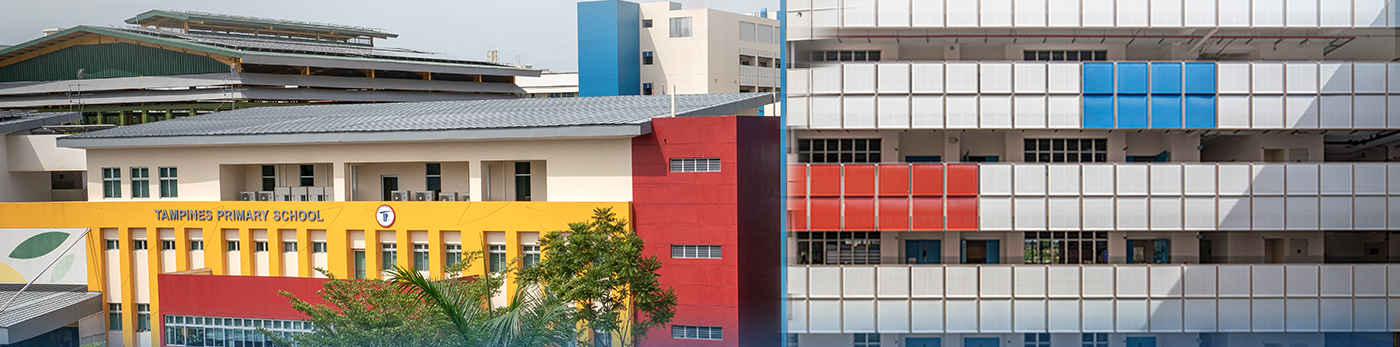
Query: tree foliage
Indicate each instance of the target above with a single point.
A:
(367, 312)
(598, 265)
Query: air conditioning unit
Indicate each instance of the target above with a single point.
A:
(446, 196)
(399, 195)
(327, 197)
(300, 197)
(265, 196)
(282, 193)
(423, 196)
(248, 196)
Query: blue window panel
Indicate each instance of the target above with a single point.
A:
(1166, 112)
(1098, 112)
(1200, 111)
(1200, 78)
(1098, 78)
(1166, 78)
(1132, 111)
(1132, 78)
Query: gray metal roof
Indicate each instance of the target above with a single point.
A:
(424, 121)
(12, 121)
(43, 307)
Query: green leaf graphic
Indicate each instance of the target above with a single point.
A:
(39, 245)
(61, 269)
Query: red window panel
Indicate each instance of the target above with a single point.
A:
(825, 180)
(962, 213)
(825, 214)
(928, 179)
(797, 213)
(962, 179)
(860, 213)
(797, 180)
(860, 179)
(928, 213)
(894, 212)
(894, 180)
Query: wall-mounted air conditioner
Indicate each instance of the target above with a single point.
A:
(446, 196)
(424, 196)
(282, 193)
(300, 197)
(265, 196)
(248, 196)
(400, 195)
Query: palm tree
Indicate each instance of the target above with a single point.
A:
(534, 316)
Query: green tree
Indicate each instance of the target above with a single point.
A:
(533, 317)
(364, 312)
(598, 266)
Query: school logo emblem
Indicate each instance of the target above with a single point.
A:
(385, 216)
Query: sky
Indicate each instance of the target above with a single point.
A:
(536, 32)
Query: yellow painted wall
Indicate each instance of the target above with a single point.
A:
(337, 219)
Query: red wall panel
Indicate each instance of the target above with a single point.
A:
(826, 213)
(825, 180)
(962, 179)
(962, 213)
(797, 213)
(235, 296)
(860, 179)
(797, 180)
(894, 179)
(894, 213)
(860, 213)
(928, 213)
(927, 179)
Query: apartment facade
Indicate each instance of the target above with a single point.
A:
(1093, 173)
(194, 224)
(658, 48)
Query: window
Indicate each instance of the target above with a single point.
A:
(1095, 340)
(867, 340)
(434, 177)
(221, 331)
(308, 175)
(114, 317)
(838, 247)
(522, 181)
(143, 317)
(260, 246)
(1156, 251)
(420, 257)
(1058, 55)
(114, 244)
(167, 245)
(269, 178)
(1037, 340)
(140, 182)
(169, 183)
(289, 247)
(646, 23)
(497, 257)
(680, 27)
(1061, 247)
(694, 164)
(697, 332)
(818, 151)
(318, 247)
(233, 246)
(360, 264)
(845, 56)
(196, 245)
(389, 256)
(454, 255)
(1066, 150)
(748, 32)
(532, 255)
(695, 251)
(111, 182)
(646, 58)
(647, 89)
(138, 245)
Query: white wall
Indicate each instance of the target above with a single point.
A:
(24, 186)
(41, 153)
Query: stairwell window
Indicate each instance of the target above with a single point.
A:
(646, 23)
(695, 165)
(647, 58)
(140, 182)
(680, 27)
(111, 182)
(169, 183)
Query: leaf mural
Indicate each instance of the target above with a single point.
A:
(61, 269)
(39, 245)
